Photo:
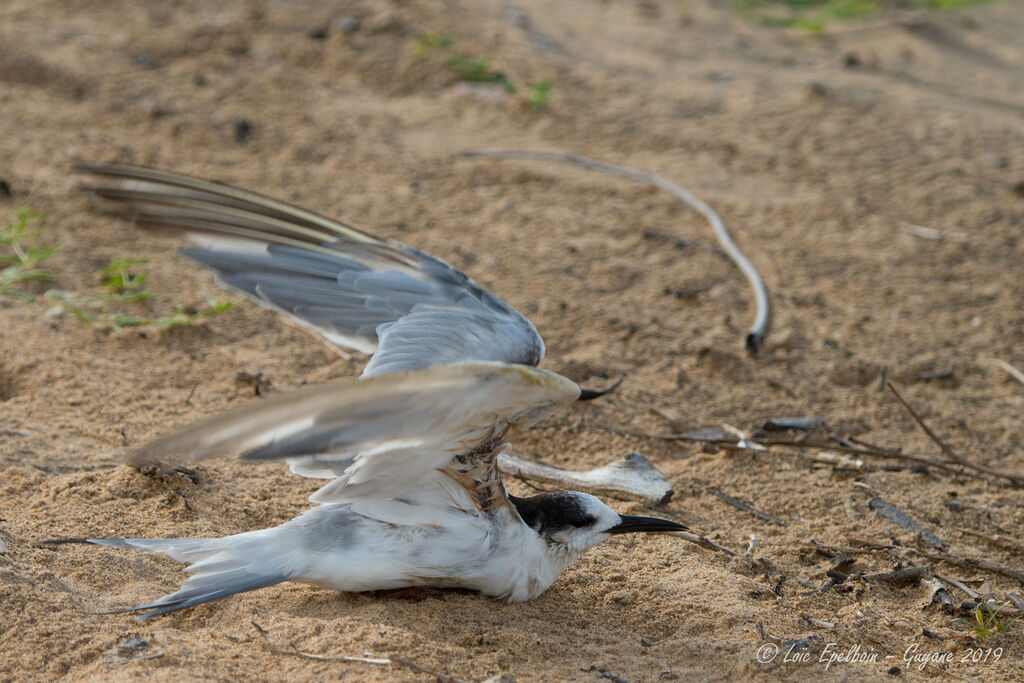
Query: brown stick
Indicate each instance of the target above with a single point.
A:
(967, 590)
(809, 443)
(949, 452)
(739, 504)
(986, 565)
(905, 575)
(1014, 372)
(705, 543)
(998, 539)
(851, 549)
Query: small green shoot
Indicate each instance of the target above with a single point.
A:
(429, 39)
(122, 281)
(94, 308)
(124, 284)
(540, 93)
(476, 69)
(21, 259)
(813, 16)
(21, 262)
(990, 625)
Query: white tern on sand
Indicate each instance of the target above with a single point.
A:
(415, 497)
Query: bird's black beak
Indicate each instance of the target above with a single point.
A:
(630, 523)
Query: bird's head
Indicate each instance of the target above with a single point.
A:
(576, 521)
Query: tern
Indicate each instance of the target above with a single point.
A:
(416, 496)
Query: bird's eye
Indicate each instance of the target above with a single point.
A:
(586, 521)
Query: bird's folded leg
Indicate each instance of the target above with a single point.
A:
(632, 477)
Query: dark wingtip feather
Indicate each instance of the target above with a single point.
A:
(591, 394)
(62, 541)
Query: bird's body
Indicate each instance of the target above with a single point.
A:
(415, 497)
(332, 546)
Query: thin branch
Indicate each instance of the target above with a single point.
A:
(704, 542)
(292, 650)
(905, 575)
(739, 504)
(998, 539)
(973, 563)
(949, 452)
(1014, 372)
(814, 443)
(851, 549)
(755, 337)
(967, 590)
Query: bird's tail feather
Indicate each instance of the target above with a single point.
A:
(219, 566)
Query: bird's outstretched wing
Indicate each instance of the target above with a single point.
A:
(406, 307)
(381, 436)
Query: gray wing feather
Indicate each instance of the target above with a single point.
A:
(358, 291)
(220, 567)
(449, 335)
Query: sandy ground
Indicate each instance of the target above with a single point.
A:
(822, 153)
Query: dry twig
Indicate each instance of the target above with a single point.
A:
(949, 452)
(905, 575)
(809, 443)
(1014, 372)
(967, 590)
(998, 539)
(755, 337)
(705, 543)
(850, 549)
(739, 504)
(973, 563)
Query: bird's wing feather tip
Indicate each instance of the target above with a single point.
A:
(62, 541)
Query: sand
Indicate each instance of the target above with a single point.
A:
(821, 152)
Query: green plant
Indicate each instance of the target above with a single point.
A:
(21, 262)
(94, 308)
(814, 15)
(540, 93)
(124, 285)
(21, 259)
(429, 39)
(989, 625)
(122, 281)
(476, 69)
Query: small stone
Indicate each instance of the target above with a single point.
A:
(146, 60)
(501, 678)
(243, 131)
(347, 24)
(133, 643)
